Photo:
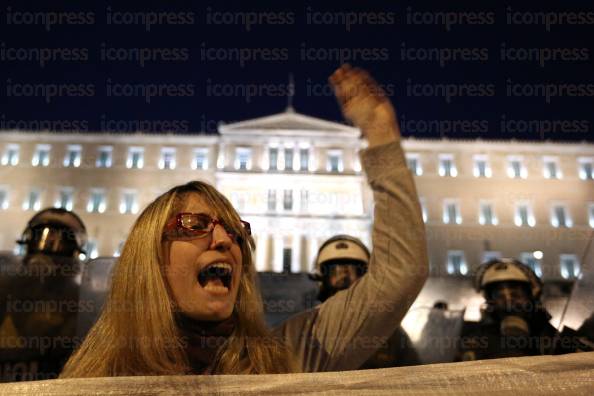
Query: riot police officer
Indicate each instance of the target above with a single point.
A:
(54, 232)
(513, 320)
(340, 262)
(39, 298)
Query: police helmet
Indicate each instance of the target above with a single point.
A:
(55, 231)
(342, 248)
(507, 270)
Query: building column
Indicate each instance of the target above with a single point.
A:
(277, 261)
(296, 254)
(262, 162)
(281, 157)
(296, 157)
(261, 252)
(314, 159)
(304, 263)
(221, 158)
(313, 252)
(268, 265)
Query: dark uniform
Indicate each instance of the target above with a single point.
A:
(484, 340)
(514, 323)
(39, 298)
(397, 351)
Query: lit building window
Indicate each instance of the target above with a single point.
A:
(200, 160)
(489, 255)
(243, 158)
(41, 156)
(288, 200)
(65, 198)
(516, 168)
(303, 159)
(423, 203)
(289, 158)
(129, 202)
(104, 154)
(487, 214)
(167, 160)
(334, 163)
(135, 158)
(451, 212)
(11, 155)
(413, 161)
(591, 215)
(119, 249)
(560, 216)
(97, 201)
(456, 263)
(92, 248)
(304, 201)
(238, 200)
(570, 266)
(73, 156)
(523, 215)
(447, 167)
(357, 164)
(33, 200)
(272, 200)
(273, 158)
(533, 260)
(4, 198)
(19, 249)
(585, 168)
(481, 166)
(551, 168)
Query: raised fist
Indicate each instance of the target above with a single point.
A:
(364, 103)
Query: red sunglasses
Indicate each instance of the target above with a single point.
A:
(198, 225)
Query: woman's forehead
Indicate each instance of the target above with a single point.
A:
(195, 203)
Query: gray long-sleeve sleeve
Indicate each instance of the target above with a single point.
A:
(345, 330)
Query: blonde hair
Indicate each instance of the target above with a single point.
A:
(136, 333)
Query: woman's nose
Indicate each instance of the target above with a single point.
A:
(220, 240)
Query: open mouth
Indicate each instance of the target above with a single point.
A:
(216, 277)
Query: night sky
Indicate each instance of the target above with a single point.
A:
(496, 70)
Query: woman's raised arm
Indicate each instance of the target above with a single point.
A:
(350, 326)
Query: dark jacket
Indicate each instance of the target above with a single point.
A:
(398, 351)
(483, 340)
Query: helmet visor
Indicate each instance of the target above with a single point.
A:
(52, 239)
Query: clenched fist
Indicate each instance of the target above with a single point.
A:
(365, 104)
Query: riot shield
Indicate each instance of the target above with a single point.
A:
(577, 322)
(434, 332)
(39, 297)
(95, 283)
(8, 263)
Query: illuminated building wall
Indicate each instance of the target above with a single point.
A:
(298, 180)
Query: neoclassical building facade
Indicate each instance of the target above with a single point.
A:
(298, 180)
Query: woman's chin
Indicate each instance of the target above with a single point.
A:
(221, 313)
(214, 312)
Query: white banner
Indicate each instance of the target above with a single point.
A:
(571, 374)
